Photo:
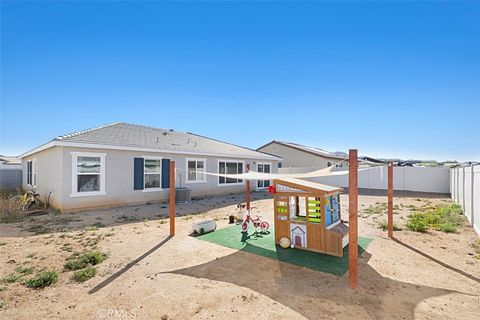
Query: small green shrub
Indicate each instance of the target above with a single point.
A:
(24, 270)
(432, 218)
(77, 262)
(84, 274)
(446, 218)
(417, 223)
(42, 279)
(476, 247)
(384, 226)
(378, 208)
(447, 227)
(11, 278)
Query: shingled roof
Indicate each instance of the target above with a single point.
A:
(134, 136)
(308, 149)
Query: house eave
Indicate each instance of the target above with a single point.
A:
(56, 143)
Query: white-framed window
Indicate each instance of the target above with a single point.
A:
(32, 172)
(264, 168)
(152, 168)
(88, 174)
(196, 169)
(230, 167)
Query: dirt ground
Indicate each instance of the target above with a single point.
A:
(148, 275)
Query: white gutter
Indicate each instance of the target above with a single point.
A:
(56, 143)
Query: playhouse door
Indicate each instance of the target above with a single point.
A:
(298, 241)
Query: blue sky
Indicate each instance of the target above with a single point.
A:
(392, 79)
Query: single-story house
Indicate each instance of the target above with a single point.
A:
(296, 155)
(10, 173)
(364, 161)
(123, 164)
(10, 163)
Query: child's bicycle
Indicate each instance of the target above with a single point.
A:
(256, 222)
(28, 200)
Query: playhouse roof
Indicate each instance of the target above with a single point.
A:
(308, 185)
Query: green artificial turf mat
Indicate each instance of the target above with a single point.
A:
(264, 245)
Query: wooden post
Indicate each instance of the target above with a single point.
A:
(172, 198)
(390, 200)
(353, 219)
(247, 195)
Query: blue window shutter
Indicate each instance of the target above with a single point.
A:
(138, 174)
(165, 173)
(29, 172)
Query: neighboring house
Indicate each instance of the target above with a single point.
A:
(10, 163)
(122, 164)
(364, 161)
(10, 173)
(297, 155)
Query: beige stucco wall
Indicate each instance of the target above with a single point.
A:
(119, 175)
(297, 158)
(49, 174)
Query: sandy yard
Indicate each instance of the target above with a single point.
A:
(150, 276)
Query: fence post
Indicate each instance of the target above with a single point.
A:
(463, 188)
(390, 200)
(472, 196)
(457, 200)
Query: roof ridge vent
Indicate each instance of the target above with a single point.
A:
(69, 135)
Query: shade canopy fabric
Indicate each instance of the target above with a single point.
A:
(254, 175)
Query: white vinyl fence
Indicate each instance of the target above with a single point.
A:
(465, 190)
(422, 179)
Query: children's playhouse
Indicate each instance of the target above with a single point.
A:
(308, 214)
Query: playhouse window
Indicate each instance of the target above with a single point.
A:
(229, 167)
(298, 208)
